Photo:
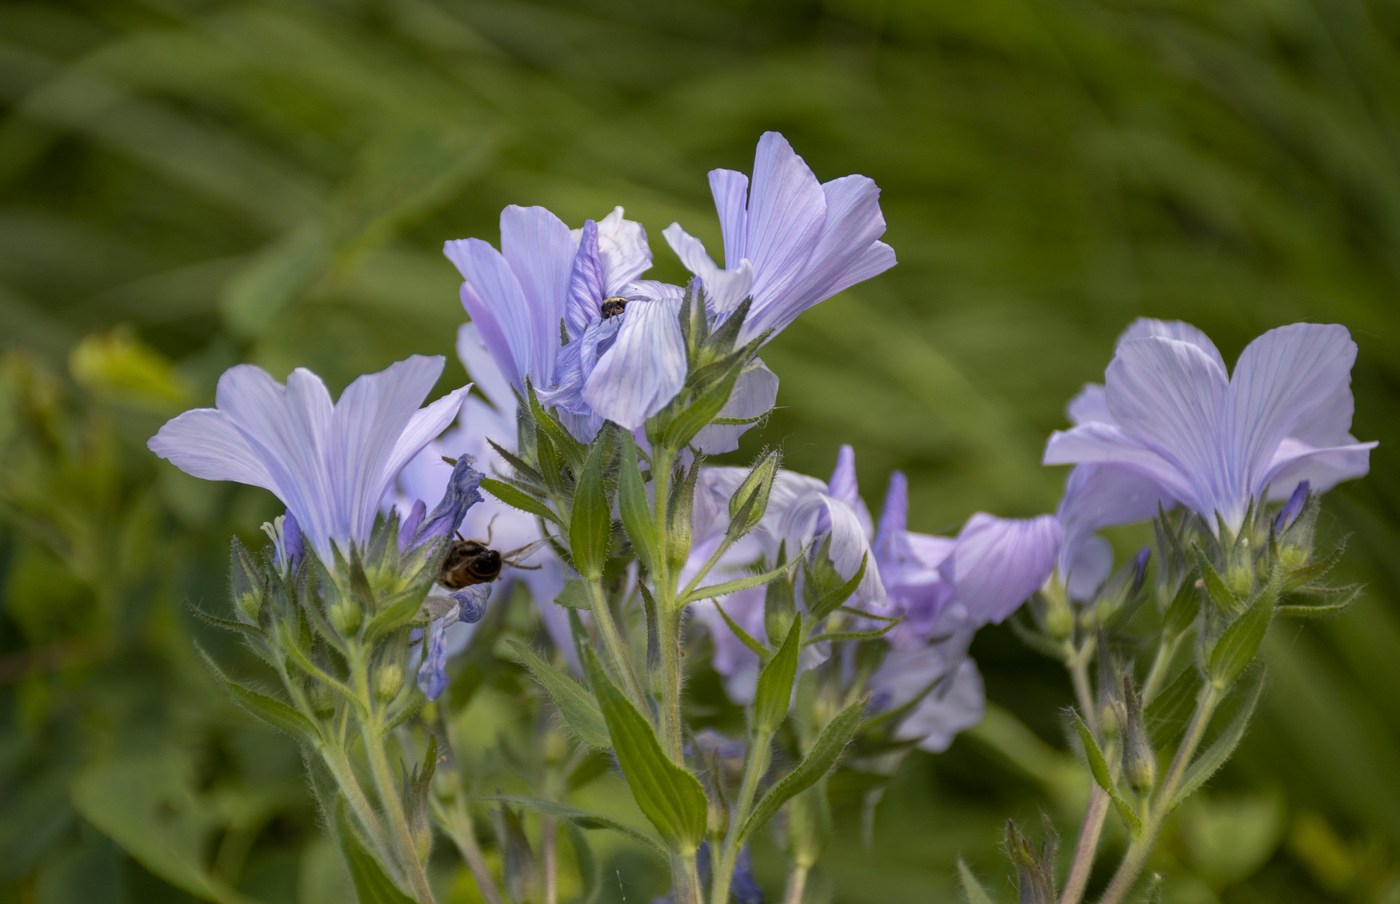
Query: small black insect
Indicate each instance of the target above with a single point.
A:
(613, 305)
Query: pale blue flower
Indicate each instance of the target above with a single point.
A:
(329, 463)
(1171, 413)
(790, 242)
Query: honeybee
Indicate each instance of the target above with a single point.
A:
(473, 562)
(613, 305)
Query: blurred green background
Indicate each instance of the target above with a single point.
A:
(187, 185)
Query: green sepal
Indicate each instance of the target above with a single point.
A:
(1098, 767)
(1240, 642)
(1225, 602)
(680, 517)
(774, 693)
(575, 704)
(269, 709)
(1034, 869)
(854, 635)
(820, 760)
(548, 425)
(372, 884)
(670, 797)
(590, 519)
(821, 591)
(636, 508)
(517, 498)
(581, 818)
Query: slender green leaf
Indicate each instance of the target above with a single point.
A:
(581, 818)
(1098, 766)
(272, 711)
(774, 693)
(745, 637)
(575, 704)
(820, 760)
(372, 884)
(972, 888)
(517, 498)
(1209, 761)
(714, 591)
(590, 520)
(1240, 642)
(636, 508)
(670, 797)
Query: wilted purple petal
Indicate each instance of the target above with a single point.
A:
(471, 603)
(463, 490)
(432, 673)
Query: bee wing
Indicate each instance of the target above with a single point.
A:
(522, 552)
(436, 605)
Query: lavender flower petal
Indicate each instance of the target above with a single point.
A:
(644, 368)
(998, 563)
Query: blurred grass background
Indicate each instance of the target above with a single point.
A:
(187, 185)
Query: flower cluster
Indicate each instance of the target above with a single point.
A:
(580, 472)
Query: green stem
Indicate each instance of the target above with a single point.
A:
(1166, 652)
(387, 791)
(1077, 661)
(613, 645)
(797, 884)
(685, 881)
(669, 628)
(709, 566)
(1136, 857)
(458, 824)
(1086, 847)
(755, 767)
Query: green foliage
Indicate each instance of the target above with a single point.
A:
(184, 186)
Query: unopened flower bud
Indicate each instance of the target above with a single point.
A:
(1139, 760)
(388, 681)
(345, 617)
(750, 500)
(322, 699)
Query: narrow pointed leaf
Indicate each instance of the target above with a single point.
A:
(820, 760)
(1098, 766)
(590, 521)
(576, 705)
(774, 693)
(517, 498)
(1209, 761)
(636, 508)
(1240, 642)
(372, 884)
(581, 818)
(271, 710)
(670, 797)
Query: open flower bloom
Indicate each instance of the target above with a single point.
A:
(1171, 414)
(329, 463)
(790, 241)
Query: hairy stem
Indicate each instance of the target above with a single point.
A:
(796, 885)
(1136, 857)
(458, 824)
(755, 767)
(1086, 847)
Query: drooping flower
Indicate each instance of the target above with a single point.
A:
(329, 463)
(790, 242)
(1171, 413)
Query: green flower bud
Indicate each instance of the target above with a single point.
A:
(322, 699)
(345, 617)
(388, 681)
